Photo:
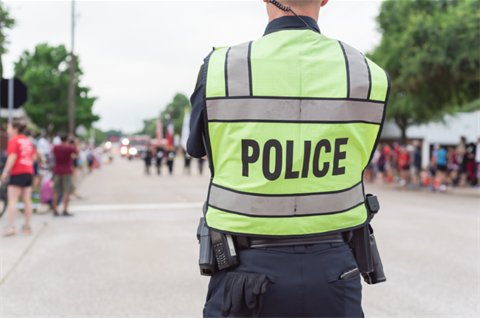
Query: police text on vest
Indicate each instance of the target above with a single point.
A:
(318, 171)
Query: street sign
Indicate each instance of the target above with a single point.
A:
(19, 93)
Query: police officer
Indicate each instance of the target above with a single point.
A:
(288, 122)
(201, 162)
(147, 158)
(170, 158)
(188, 159)
(159, 158)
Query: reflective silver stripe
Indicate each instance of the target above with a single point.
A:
(294, 110)
(359, 81)
(238, 77)
(286, 205)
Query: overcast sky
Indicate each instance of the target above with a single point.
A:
(137, 55)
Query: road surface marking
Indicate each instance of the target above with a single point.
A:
(140, 206)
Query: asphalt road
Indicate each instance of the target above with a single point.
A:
(131, 250)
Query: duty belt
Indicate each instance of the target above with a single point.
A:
(251, 242)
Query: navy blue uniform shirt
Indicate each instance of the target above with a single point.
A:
(195, 145)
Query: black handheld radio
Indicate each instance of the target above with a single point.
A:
(224, 249)
(217, 250)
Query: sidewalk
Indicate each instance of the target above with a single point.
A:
(457, 191)
(130, 250)
(12, 253)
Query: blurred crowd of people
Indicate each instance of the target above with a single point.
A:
(157, 155)
(42, 171)
(87, 159)
(449, 166)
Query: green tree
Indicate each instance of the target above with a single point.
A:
(176, 110)
(99, 136)
(46, 74)
(149, 128)
(431, 51)
(113, 133)
(6, 22)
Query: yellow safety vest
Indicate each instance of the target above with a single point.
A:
(293, 120)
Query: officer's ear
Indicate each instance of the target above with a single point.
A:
(324, 2)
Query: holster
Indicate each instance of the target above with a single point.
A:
(377, 275)
(206, 260)
(365, 249)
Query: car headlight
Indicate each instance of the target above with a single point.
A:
(132, 151)
(123, 150)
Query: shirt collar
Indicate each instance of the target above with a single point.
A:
(289, 23)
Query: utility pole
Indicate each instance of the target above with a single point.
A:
(11, 91)
(71, 90)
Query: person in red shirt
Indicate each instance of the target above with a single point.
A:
(63, 174)
(20, 152)
(403, 165)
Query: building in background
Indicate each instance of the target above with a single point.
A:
(445, 134)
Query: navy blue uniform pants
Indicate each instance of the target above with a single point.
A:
(304, 281)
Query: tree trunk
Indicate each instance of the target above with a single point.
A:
(1, 67)
(402, 123)
(404, 134)
(71, 96)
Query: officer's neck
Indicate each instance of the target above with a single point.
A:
(275, 13)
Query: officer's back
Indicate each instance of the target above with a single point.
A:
(289, 123)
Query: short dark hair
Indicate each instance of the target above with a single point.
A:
(20, 125)
(299, 3)
(63, 136)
